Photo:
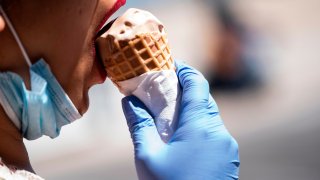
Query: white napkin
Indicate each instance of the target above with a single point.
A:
(160, 92)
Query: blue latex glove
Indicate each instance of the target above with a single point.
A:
(201, 147)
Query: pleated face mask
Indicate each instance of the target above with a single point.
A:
(45, 108)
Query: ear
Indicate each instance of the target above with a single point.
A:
(2, 23)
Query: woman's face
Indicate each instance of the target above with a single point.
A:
(63, 33)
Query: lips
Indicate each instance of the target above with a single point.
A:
(109, 13)
(100, 29)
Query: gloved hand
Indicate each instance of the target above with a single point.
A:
(200, 148)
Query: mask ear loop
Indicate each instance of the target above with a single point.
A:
(16, 37)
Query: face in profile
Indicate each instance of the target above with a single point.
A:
(62, 32)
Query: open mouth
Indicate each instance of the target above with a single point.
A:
(105, 28)
(100, 30)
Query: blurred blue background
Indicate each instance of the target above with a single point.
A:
(274, 117)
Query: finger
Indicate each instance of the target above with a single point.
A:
(143, 131)
(212, 105)
(195, 88)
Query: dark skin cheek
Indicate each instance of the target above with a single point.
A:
(66, 45)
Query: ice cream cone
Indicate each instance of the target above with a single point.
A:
(146, 52)
(126, 58)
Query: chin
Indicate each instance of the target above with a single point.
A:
(84, 106)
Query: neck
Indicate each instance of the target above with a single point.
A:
(12, 149)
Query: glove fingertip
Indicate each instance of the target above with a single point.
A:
(187, 74)
(130, 104)
(134, 110)
(177, 63)
(126, 100)
(126, 105)
(184, 69)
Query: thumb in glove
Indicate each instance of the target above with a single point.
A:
(144, 134)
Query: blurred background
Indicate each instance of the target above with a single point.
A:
(261, 58)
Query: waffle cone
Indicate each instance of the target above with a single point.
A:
(127, 59)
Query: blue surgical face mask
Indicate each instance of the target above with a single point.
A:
(45, 108)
